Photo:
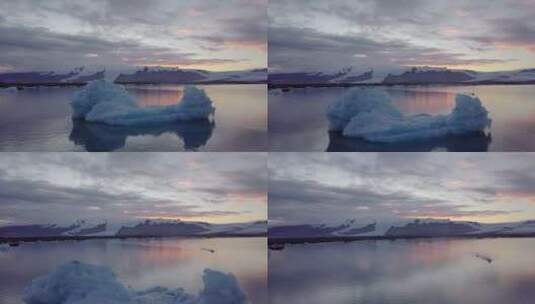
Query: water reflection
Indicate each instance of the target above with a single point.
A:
(142, 264)
(475, 142)
(417, 271)
(100, 137)
(40, 120)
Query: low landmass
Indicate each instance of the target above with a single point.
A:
(413, 76)
(147, 75)
(84, 230)
(352, 230)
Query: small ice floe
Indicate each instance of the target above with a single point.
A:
(77, 283)
(4, 247)
(9, 90)
(368, 113)
(483, 257)
(105, 102)
(208, 249)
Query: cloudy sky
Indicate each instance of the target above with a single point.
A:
(63, 187)
(333, 187)
(210, 34)
(382, 34)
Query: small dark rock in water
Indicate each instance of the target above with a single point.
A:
(484, 258)
(276, 246)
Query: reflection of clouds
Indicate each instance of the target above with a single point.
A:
(443, 271)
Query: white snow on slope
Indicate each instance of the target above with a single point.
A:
(368, 113)
(249, 76)
(104, 102)
(80, 283)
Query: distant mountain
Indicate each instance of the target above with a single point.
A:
(142, 228)
(183, 76)
(415, 75)
(78, 75)
(425, 76)
(156, 75)
(345, 75)
(415, 228)
(350, 227)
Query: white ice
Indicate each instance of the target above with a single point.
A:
(9, 90)
(80, 283)
(105, 102)
(368, 113)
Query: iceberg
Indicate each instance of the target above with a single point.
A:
(80, 283)
(104, 102)
(369, 114)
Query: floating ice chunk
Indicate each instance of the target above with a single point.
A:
(370, 114)
(104, 102)
(357, 101)
(220, 288)
(80, 283)
(4, 247)
(9, 90)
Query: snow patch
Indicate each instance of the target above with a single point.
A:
(80, 283)
(105, 102)
(369, 114)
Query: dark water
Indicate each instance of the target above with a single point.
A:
(297, 120)
(142, 264)
(40, 120)
(411, 272)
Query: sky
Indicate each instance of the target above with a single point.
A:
(42, 188)
(387, 35)
(119, 34)
(318, 188)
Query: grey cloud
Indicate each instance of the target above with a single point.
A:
(509, 32)
(27, 47)
(125, 34)
(119, 186)
(309, 201)
(292, 47)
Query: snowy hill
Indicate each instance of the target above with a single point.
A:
(183, 76)
(344, 75)
(430, 75)
(349, 227)
(415, 75)
(409, 228)
(78, 75)
(137, 228)
(156, 75)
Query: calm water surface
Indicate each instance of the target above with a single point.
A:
(40, 120)
(297, 120)
(416, 271)
(142, 264)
